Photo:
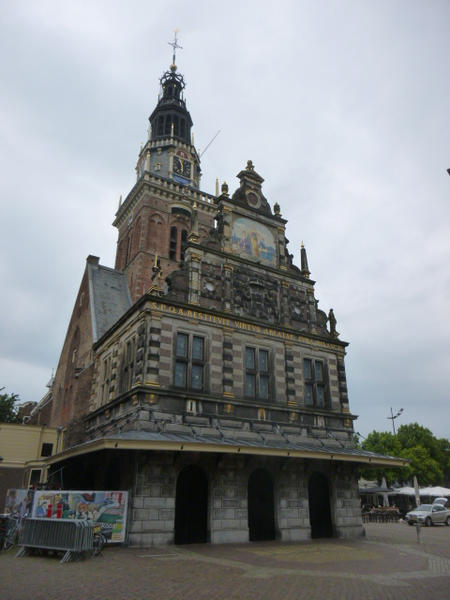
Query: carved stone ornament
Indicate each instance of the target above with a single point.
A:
(297, 303)
(256, 297)
(209, 288)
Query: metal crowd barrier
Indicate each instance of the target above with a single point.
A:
(75, 537)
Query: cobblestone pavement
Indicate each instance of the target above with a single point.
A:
(388, 564)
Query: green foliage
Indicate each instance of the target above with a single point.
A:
(429, 457)
(8, 408)
(425, 468)
(382, 443)
(414, 435)
(444, 462)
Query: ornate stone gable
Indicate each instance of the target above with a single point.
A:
(249, 194)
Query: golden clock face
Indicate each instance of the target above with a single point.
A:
(181, 167)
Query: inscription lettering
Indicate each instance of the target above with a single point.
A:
(243, 326)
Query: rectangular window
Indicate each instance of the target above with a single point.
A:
(47, 449)
(128, 365)
(189, 361)
(257, 373)
(315, 382)
(105, 380)
(35, 477)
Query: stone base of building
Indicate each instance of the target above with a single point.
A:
(295, 534)
(141, 540)
(230, 537)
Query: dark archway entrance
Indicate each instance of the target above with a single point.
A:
(261, 519)
(319, 506)
(113, 472)
(191, 507)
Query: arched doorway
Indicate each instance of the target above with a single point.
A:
(319, 506)
(191, 506)
(261, 519)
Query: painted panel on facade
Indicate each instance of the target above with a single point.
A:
(254, 240)
(109, 509)
(19, 502)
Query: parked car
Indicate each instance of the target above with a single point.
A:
(428, 514)
(443, 501)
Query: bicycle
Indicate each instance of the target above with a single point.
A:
(11, 530)
(100, 540)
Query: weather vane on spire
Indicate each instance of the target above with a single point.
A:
(175, 45)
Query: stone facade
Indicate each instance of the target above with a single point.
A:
(203, 365)
(153, 511)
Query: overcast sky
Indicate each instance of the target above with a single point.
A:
(344, 108)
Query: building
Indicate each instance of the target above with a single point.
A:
(23, 450)
(200, 373)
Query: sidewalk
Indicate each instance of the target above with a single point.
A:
(388, 564)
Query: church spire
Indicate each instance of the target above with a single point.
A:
(171, 119)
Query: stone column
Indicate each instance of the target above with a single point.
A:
(290, 379)
(285, 312)
(343, 393)
(194, 278)
(227, 363)
(282, 248)
(140, 353)
(227, 276)
(312, 308)
(154, 344)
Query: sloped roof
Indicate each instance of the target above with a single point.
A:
(148, 440)
(110, 298)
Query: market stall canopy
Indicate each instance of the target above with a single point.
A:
(403, 491)
(437, 491)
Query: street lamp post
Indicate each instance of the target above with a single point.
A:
(392, 417)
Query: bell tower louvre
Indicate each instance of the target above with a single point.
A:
(200, 372)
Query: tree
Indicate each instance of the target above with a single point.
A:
(383, 443)
(444, 463)
(8, 410)
(425, 468)
(429, 457)
(413, 435)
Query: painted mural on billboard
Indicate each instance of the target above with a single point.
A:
(109, 509)
(19, 502)
(254, 240)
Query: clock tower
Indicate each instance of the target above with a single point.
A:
(170, 133)
(155, 219)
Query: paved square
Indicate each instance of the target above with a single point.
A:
(388, 564)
